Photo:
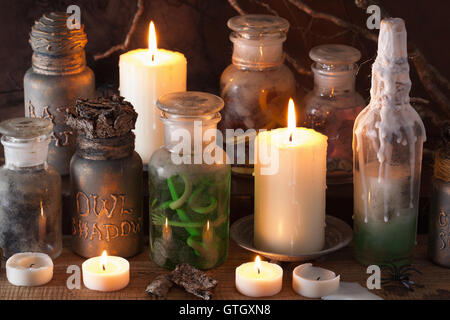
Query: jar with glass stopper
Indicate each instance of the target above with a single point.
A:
(57, 78)
(332, 106)
(105, 179)
(387, 144)
(30, 190)
(189, 184)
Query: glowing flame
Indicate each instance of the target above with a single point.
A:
(104, 260)
(207, 225)
(152, 43)
(292, 122)
(258, 264)
(42, 210)
(166, 224)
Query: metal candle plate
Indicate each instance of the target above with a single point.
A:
(338, 234)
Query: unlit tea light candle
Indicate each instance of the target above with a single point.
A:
(259, 278)
(106, 273)
(314, 282)
(29, 269)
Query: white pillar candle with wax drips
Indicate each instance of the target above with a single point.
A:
(145, 75)
(290, 201)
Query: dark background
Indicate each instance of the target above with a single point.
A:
(198, 29)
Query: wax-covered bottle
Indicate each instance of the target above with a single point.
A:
(189, 184)
(57, 78)
(387, 144)
(106, 179)
(332, 106)
(30, 190)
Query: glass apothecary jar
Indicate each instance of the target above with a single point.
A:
(105, 179)
(189, 184)
(257, 86)
(333, 105)
(30, 190)
(387, 145)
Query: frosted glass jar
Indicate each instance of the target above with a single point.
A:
(30, 190)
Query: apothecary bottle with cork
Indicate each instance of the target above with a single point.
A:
(105, 179)
(333, 105)
(189, 183)
(387, 143)
(30, 190)
(58, 76)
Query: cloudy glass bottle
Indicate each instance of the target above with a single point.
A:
(30, 190)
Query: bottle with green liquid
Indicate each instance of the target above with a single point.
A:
(388, 136)
(189, 184)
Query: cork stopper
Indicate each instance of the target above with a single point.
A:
(392, 43)
(102, 118)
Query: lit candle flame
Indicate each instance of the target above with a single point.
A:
(258, 264)
(292, 122)
(152, 43)
(207, 225)
(104, 260)
(42, 209)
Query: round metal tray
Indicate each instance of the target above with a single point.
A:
(338, 234)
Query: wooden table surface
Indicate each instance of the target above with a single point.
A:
(436, 280)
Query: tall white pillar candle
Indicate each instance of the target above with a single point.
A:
(145, 75)
(290, 184)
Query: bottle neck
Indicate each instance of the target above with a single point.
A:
(59, 65)
(332, 82)
(105, 149)
(25, 153)
(191, 134)
(257, 54)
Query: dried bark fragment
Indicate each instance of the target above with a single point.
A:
(102, 118)
(194, 281)
(160, 286)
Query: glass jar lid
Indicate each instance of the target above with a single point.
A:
(26, 128)
(255, 25)
(334, 54)
(190, 103)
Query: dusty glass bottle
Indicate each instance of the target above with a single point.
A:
(387, 145)
(332, 106)
(106, 179)
(189, 192)
(30, 190)
(57, 78)
(257, 86)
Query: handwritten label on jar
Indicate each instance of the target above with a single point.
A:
(112, 219)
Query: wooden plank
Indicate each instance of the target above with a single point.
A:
(435, 279)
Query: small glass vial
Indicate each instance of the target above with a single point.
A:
(189, 192)
(106, 179)
(30, 190)
(57, 78)
(388, 138)
(257, 87)
(332, 106)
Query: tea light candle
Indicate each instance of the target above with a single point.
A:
(29, 269)
(290, 185)
(314, 282)
(259, 278)
(106, 273)
(145, 75)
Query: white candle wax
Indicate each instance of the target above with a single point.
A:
(290, 202)
(314, 282)
(145, 75)
(259, 279)
(106, 273)
(29, 269)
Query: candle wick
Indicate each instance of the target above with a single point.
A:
(153, 58)
(103, 266)
(31, 265)
(318, 278)
(290, 137)
(259, 271)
